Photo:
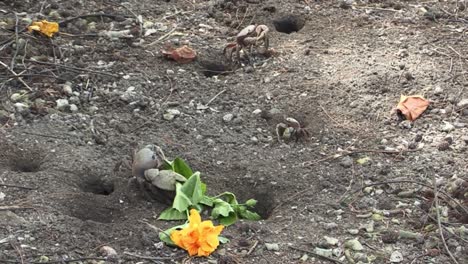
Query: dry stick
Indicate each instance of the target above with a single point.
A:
(12, 66)
(14, 73)
(317, 255)
(163, 37)
(441, 231)
(414, 182)
(342, 154)
(252, 248)
(62, 23)
(150, 258)
(55, 261)
(14, 207)
(214, 97)
(292, 198)
(73, 68)
(17, 186)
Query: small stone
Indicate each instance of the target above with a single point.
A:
(443, 146)
(353, 231)
(346, 162)
(405, 124)
(463, 103)
(62, 104)
(396, 257)
(447, 127)
(354, 244)
(67, 89)
(21, 107)
(169, 71)
(248, 69)
(171, 114)
(331, 240)
(254, 139)
(438, 90)
(360, 257)
(2, 196)
(272, 246)
(324, 252)
(16, 97)
(330, 226)
(257, 112)
(73, 108)
(228, 117)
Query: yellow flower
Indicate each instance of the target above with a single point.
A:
(198, 238)
(45, 27)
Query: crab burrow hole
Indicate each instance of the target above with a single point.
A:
(96, 184)
(289, 24)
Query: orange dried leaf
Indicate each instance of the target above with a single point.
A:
(183, 54)
(45, 27)
(412, 106)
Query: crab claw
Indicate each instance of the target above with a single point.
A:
(146, 158)
(164, 179)
(246, 31)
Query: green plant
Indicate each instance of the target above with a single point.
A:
(192, 194)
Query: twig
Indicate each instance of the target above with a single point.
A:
(140, 23)
(346, 153)
(12, 66)
(55, 261)
(45, 135)
(111, 16)
(74, 68)
(214, 97)
(17, 186)
(414, 182)
(163, 36)
(14, 207)
(14, 73)
(150, 258)
(252, 248)
(292, 198)
(317, 255)
(441, 231)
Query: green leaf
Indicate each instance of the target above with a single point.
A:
(221, 208)
(172, 214)
(168, 165)
(206, 200)
(249, 215)
(182, 168)
(251, 202)
(223, 240)
(165, 236)
(229, 198)
(228, 220)
(181, 201)
(192, 188)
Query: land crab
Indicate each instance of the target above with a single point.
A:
(291, 129)
(248, 37)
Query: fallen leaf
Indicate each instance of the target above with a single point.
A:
(45, 27)
(411, 107)
(183, 54)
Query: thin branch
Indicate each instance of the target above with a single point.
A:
(441, 230)
(214, 97)
(317, 255)
(150, 258)
(74, 68)
(17, 186)
(16, 75)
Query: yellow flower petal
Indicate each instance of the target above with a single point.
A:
(45, 27)
(194, 218)
(198, 238)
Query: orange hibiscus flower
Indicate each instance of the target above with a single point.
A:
(198, 238)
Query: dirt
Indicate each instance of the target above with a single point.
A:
(339, 70)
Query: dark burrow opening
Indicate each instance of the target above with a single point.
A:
(97, 185)
(289, 24)
(24, 157)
